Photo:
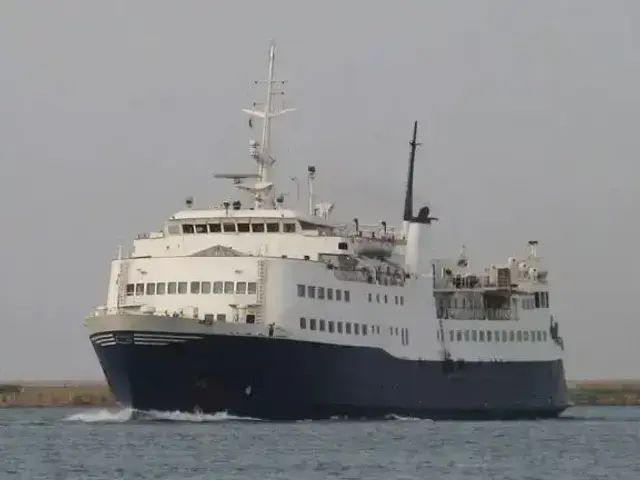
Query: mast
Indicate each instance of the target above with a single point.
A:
(261, 152)
(408, 199)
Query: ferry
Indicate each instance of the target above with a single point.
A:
(260, 309)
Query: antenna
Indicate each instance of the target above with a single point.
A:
(408, 199)
(311, 170)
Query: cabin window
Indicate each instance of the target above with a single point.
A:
(525, 335)
(209, 318)
(173, 229)
(347, 327)
(139, 288)
(397, 331)
(364, 329)
(215, 228)
(217, 287)
(544, 336)
(489, 335)
(396, 299)
(252, 288)
(356, 329)
(474, 335)
(182, 287)
(257, 227)
(519, 335)
(130, 289)
(311, 291)
(171, 288)
(347, 296)
(151, 289)
(161, 288)
(243, 227)
(339, 327)
(391, 332)
(496, 336)
(307, 226)
(378, 297)
(322, 325)
(187, 228)
(205, 287)
(467, 335)
(512, 336)
(329, 293)
(195, 287)
(401, 300)
(385, 299)
(534, 335)
(288, 227)
(458, 335)
(228, 287)
(250, 318)
(301, 290)
(504, 335)
(229, 227)
(201, 228)
(321, 293)
(481, 336)
(241, 288)
(222, 317)
(273, 227)
(331, 326)
(370, 297)
(303, 323)
(338, 294)
(451, 335)
(536, 297)
(312, 324)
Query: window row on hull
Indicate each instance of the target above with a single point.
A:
(322, 293)
(399, 299)
(236, 226)
(351, 328)
(195, 288)
(495, 336)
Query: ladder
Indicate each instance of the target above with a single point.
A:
(262, 285)
(123, 276)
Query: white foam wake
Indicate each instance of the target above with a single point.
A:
(102, 416)
(127, 414)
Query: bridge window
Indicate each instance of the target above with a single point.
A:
(130, 289)
(321, 293)
(303, 323)
(171, 288)
(205, 287)
(139, 288)
(217, 287)
(312, 324)
(252, 288)
(311, 291)
(187, 228)
(273, 227)
(182, 287)
(229, 227)
(215, 227)
(151, 289)
(329, 293)
(161, 288)
(243, 227)
(339, 327)
(195, 287)
(201, 228)
(241, 288)
(228, 287)
(257, 227)
(289, 227)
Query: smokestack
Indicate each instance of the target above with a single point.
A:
(408, 199)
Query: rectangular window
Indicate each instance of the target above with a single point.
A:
(458, 335)
(488, 335)
(302, 289)
(338, 295)
(252, 288)
(525, 335)
(451, 335)
(320, 293)
(386, 299)
(243, 227)
(205, 287)
(182, 287)
(229, 227)
(273, 227)
(474, 335)
(241, 288)
(217, 287)
(339, 327)
(481, 336)
(322, 325)
(311, 291)
(347, 327)
(171, 288)
(369, 297)
(534, 335)
(364, 330)
(544, 336)
(347, 296)
(356, 329)
(536, 297)
(209, 318)
(377, 297)
(519, 335)
(187, 228)
(329, 293)
(151, 288)
(289, 227)
(303, 323)
(161, 288)
(331, 326)
(504, 335)
(467, 335)
(130, 289)
(195, 287)
(312, 323)
(391, 332)
(222, 317)
(401, 300)
(228, 287)
(139, 288)
(257, 227)
(215, 228)
(512, 336)
(496, 336)
(201, 228)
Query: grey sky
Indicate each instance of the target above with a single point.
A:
(112, 112)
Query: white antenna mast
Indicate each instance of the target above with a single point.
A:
(263, 189)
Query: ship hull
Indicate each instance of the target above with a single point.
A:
(287, 379)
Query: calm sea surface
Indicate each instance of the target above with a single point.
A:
(588, 443)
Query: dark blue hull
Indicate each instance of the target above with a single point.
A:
(280, 379)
